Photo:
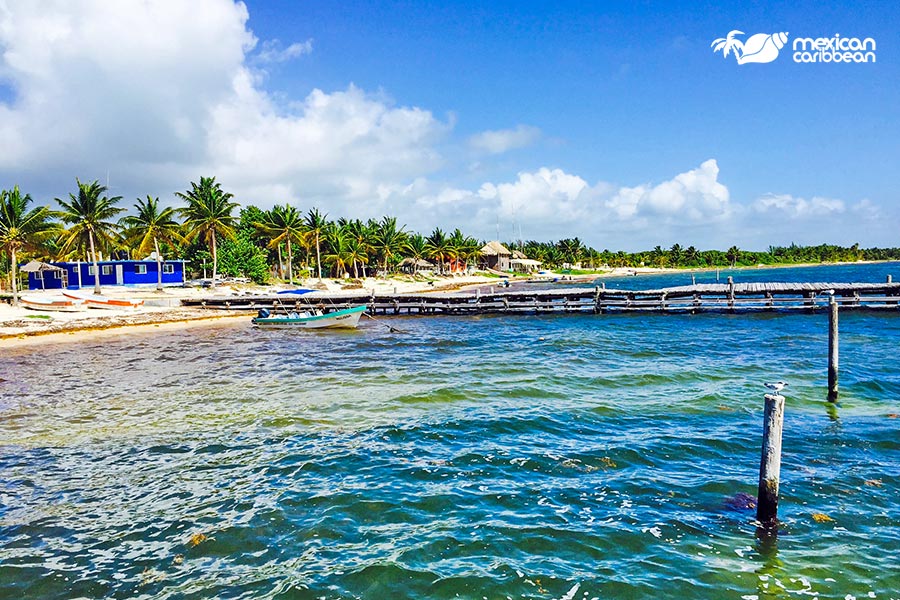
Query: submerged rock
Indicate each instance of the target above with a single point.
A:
(741, 501)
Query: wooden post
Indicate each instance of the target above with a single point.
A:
(693, 279)
(770, 461)
(833, 354)
(889, 279)
(730, 292)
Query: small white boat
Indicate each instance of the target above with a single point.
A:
(312, 319)
(57, 303)
(94, 301)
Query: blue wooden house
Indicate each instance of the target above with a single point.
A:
(75, 275)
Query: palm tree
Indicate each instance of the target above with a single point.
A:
(692, 255)
(727, 44)
(388, 240)
(150, 226)
(283, 224)
(208, 214)
(89, 213)
(676, 254)
(733, 255)
(315, 226)
(21, 228)
(438, 247)
(338, 243)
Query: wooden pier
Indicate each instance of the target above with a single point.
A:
(724, 297)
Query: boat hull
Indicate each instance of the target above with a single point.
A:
(93, 301)
(341, 319)
(59, 305)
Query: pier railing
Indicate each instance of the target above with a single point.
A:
(726, 297)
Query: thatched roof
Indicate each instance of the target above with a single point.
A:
(412, 262)
(495, 249)
(36, 265)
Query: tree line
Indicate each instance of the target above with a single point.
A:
(210, 228)
(573, 252)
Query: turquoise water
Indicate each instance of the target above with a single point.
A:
(566, 456)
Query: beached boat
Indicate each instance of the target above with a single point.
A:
(56, 303)
(94, 301)
(312, 319)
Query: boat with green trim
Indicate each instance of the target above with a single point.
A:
(347, 318)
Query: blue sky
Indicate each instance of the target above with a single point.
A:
(613, 122)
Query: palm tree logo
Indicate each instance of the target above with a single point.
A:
(728, 44)
(759, 48)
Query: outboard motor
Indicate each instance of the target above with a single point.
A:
(263, 313)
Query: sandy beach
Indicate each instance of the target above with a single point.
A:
(20, 325)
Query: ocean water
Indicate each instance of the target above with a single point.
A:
(556, 456)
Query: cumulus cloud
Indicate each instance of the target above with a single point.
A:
(272, 51)
(503, 140)
(691, 196)
(157, 97)
(790, 206)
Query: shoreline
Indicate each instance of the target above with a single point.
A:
(21, 327)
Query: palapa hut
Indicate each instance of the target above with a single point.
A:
(495, 256)
(36, 272)
(415, 265)
(522, 263)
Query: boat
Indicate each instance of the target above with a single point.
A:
(312, 319)
(56, 303)
(94, 301)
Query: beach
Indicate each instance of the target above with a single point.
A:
(21, 325)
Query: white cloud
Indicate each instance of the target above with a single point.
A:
(504, 140)
(797, 208)
(695, 195)
(271, 51)
(159, 97)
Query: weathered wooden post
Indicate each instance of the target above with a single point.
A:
(770, 461)
(833, 355)
(730, 292)
(477, 294)
(889, 279)
(693, 279)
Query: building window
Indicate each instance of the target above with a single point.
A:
(106, 270)
(140, 269)
(91, 271)
(168, 269)
(57, 274)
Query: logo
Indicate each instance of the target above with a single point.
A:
(764, 48)
(834, 50)
(759, 48)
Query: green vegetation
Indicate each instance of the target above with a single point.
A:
(573, 252)
(286, 241)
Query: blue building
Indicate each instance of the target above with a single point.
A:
(75, 275)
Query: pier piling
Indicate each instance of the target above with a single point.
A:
(770, 461)
(833, 355)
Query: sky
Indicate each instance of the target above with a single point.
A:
(615, 122)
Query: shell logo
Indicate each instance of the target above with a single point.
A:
(759, 48)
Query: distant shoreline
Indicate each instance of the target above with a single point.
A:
(20, 327)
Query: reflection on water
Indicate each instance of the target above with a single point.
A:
(536, 457)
